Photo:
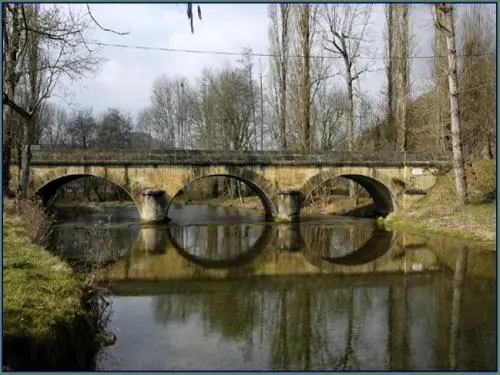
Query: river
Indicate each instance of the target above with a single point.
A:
(218, 289)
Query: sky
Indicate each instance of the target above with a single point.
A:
(125, 79)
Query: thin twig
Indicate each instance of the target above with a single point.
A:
(103, 28)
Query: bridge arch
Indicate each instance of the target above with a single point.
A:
(47, 191)
(261, 186)
(377, 187)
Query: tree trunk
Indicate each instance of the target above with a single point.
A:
(456, 141)
(390, 74)
(26, 158)
(305, 97)
(283, 81)
(405, 79)
(350, 130)
(7, 150)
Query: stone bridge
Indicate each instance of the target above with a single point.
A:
(281, 179)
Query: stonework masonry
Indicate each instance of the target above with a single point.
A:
(389, 178)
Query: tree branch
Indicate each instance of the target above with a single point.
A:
(20, 110)
(101, 27)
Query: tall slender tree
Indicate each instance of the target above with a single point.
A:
(279, 35)
(444, 21)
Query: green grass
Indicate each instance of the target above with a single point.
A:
(39, 290)
(437, 212)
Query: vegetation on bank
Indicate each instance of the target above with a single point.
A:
(42, 305)
(49, 320)
(334, 205)
(437, 212)
(83, 207)
(40, 291)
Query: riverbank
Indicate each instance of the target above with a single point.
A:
(45, 323)
(334, 205)
(437, 213)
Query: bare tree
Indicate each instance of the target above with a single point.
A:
(279, 35)
(305, 87)
(329, 115)
(476, 83)
(41, 45)
(114, 130)
(83, 129)
(444, 21)
(345, 27)
(439, 104)
(56, 131)
(398, 72)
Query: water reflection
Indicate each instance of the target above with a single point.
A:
(236, 249)
(219, 245)
(152, 239)
(394, 322)
(347, 244)
(188, 296)
(92, 242)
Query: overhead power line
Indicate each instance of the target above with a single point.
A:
(259, 54)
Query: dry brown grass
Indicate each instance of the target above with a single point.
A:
(437, 212)
(33, 215)
(335, 205)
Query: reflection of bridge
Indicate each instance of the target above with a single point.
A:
(280, 179)
(180, 253)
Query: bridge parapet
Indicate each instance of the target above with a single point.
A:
(70, 156)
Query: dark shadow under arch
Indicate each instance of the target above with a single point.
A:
(257, 248)
(266, 201)
(377, 245)
(385, 201)
(47, 192)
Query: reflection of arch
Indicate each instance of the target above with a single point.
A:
(377, 245)
(240, 260)
(48, 191)
(259, 184)
(385, 200)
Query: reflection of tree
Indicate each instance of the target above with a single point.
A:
(459, 275)
(309, 325)
(217, 241)
(232, 314)
(93, 243)
(299, 338)
(335, 241)
(398, 332)
(279, 338)
(176, 308)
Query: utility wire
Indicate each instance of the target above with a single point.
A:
(257, 54)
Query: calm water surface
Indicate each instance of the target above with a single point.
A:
(219, 290)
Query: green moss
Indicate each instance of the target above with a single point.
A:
(39, 290)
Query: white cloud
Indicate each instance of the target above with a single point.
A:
(125, 79)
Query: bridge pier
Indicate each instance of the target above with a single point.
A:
(288, 205)
(154, 207)
(289, 236)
